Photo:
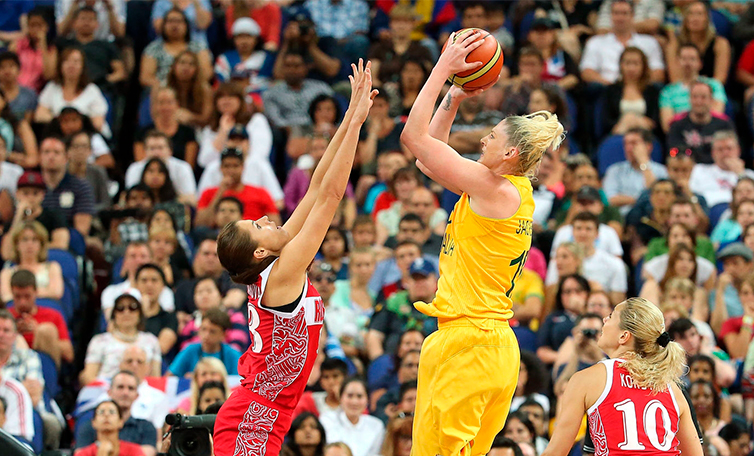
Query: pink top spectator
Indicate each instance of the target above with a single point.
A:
(536, 262)
(32, 65)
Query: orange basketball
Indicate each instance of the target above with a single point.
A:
(489, 53)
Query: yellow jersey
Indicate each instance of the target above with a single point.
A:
(480, 260)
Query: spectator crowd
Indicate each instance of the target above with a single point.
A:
(131, 131)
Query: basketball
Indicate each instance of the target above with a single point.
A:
(489, 53)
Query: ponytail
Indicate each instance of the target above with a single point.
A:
(533, 135)
(657, 361)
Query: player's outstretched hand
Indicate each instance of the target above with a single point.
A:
(362, 93)
(453, 59)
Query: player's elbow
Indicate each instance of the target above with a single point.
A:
(331, 193)
(409, 139)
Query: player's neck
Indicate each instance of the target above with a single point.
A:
(619, 352)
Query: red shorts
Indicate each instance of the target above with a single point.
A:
(249, 425)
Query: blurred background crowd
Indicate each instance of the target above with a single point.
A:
(131, 131)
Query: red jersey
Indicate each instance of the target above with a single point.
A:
(650, 421)
(283, 347)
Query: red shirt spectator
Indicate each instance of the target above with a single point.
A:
(256, 201)
(384, 201)
(44, 315)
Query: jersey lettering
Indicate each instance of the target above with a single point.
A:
(256, 338)
(448, 244)
(650, 420)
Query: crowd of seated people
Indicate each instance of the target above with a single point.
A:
(131, 132)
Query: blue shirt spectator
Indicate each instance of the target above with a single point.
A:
(185, 361)
(198, 27)
(339, 19)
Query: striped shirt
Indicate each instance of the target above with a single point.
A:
(23, 364)
(19, 418)
(72, 196)
(339, 19)
(286, 107)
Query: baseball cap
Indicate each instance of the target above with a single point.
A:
(245, 26)
(231, 152)
(238, 131)
(542, 23)
(31, 179)
(299, 14)
(587, 193)
(422, 267)
(736, 249)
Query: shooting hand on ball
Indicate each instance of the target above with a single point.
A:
(460, 94)
(453, 59)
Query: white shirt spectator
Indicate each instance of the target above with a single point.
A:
(111, 293)
(601, 267)
(62, 7)
(9, 174)
(19, 418)
(657, 266)
(543, 201)
(90, 102)
(643, 10)
(180, 172)
(258, 173)
(151, 405)
(260, 141)
(715, 184)
(623, 179)
(602, 54)
(99, 147)
(364, 438)
(607, 239)
(107, 351)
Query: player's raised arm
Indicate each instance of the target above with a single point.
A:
(298, 253)
(442, 163)
(296, 220)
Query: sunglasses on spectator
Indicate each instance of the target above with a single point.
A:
(133, 307)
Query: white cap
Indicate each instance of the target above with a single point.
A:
(245, 26)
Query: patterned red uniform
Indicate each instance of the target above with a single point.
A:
(649, 421)
(274, 371)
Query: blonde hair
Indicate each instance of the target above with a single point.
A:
(161, 232)
(39, 231)
(684, 34)
(402, 11)
(674, 306)
(340, 445)
(362, 251)
(214, 365)
(533, 135)
(651, 365)
(576, 250)
(682, 285)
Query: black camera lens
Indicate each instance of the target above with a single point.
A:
(589, 333)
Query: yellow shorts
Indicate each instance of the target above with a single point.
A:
(467, 377)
